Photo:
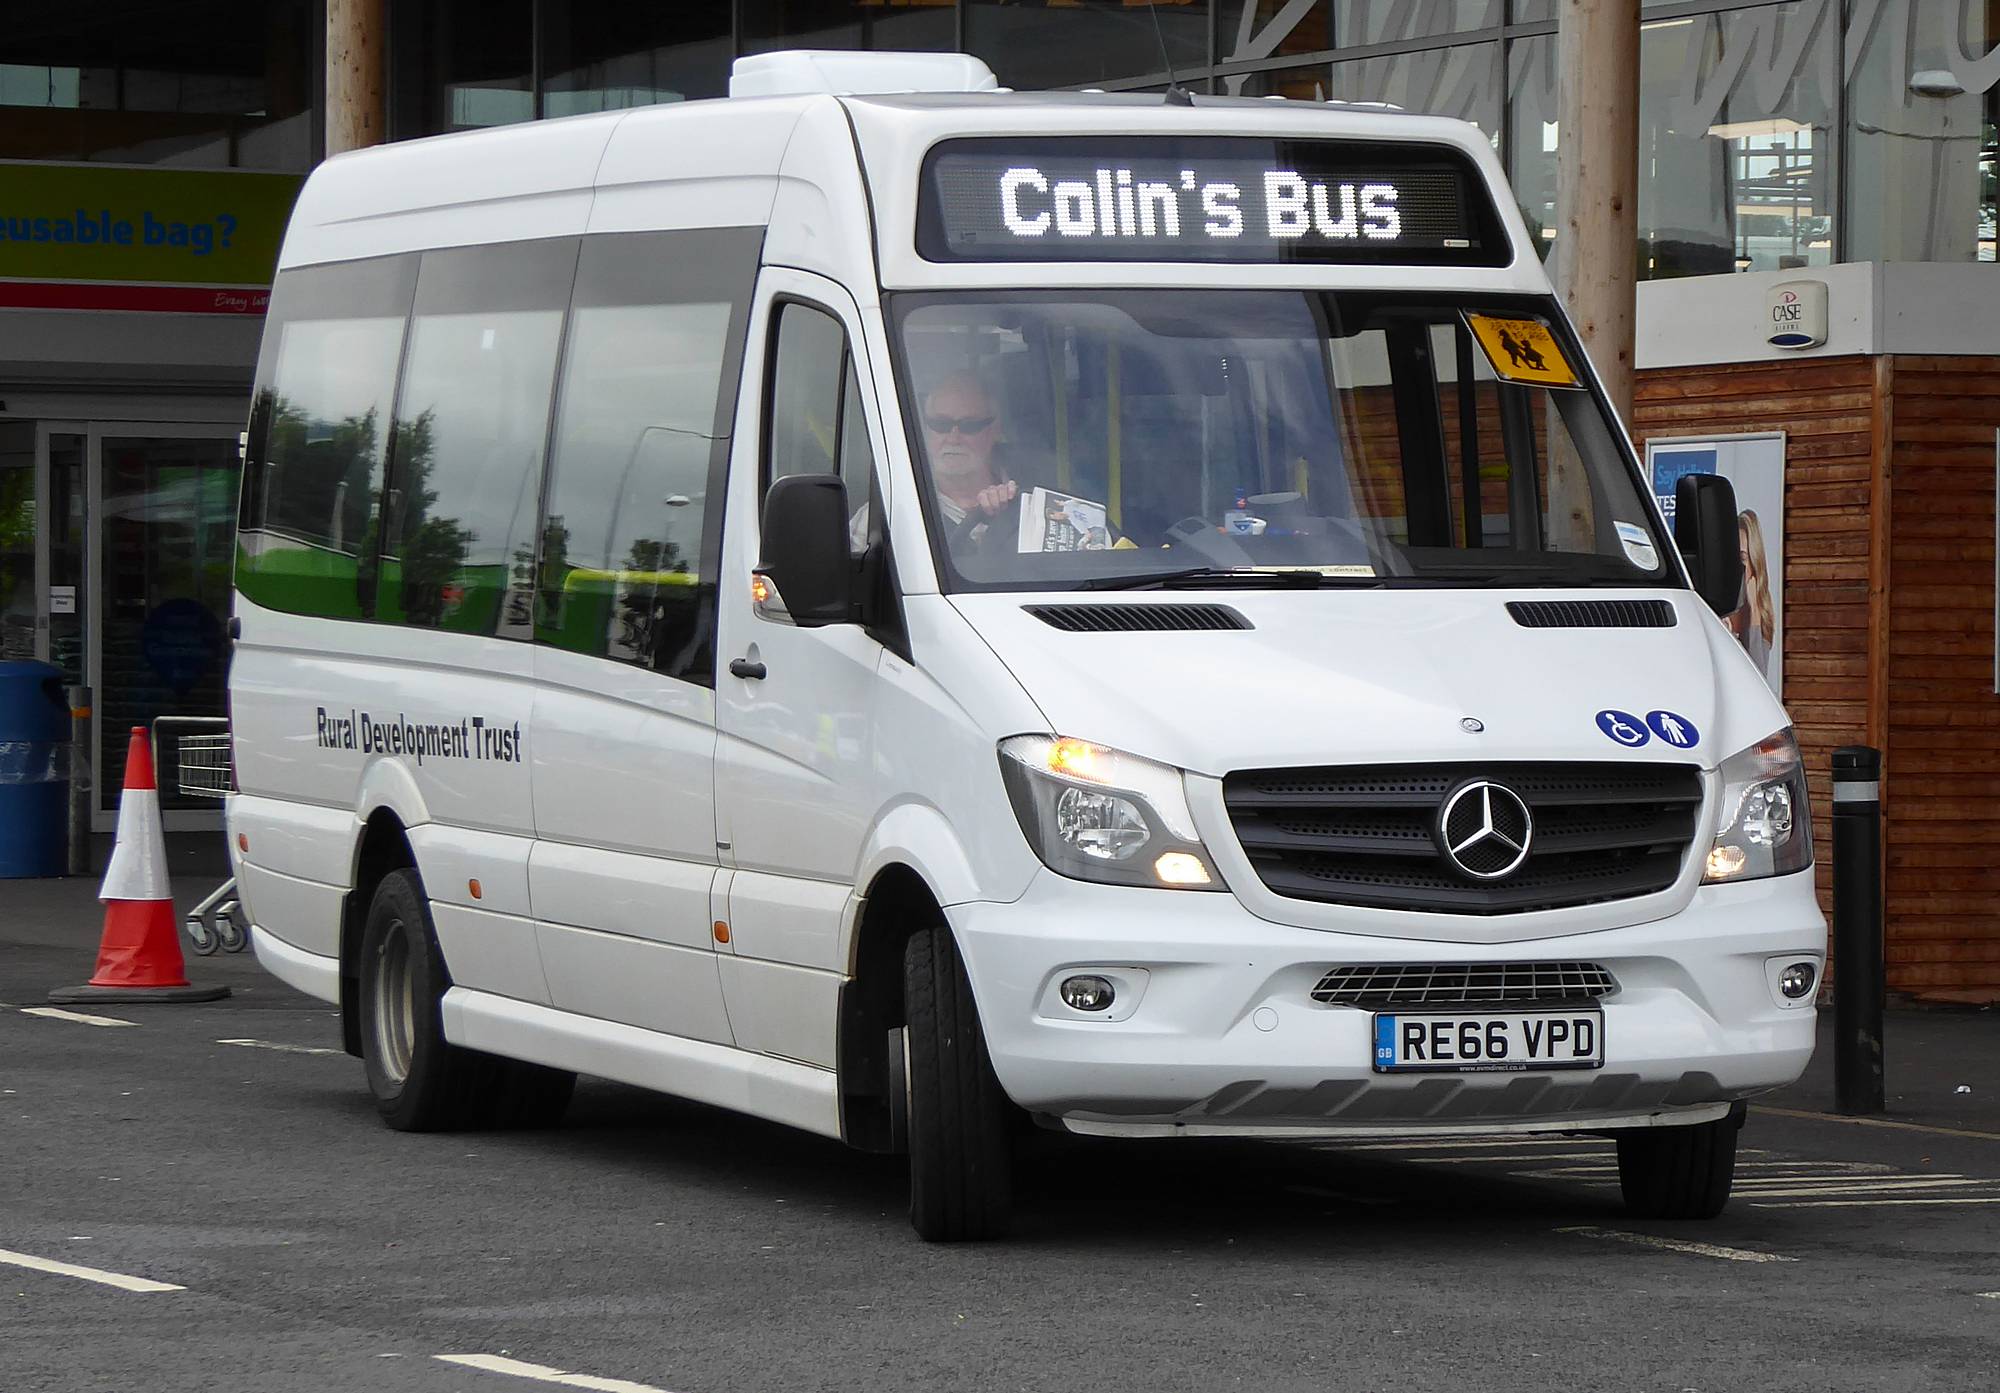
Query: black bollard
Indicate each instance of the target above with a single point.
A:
(1858, 986)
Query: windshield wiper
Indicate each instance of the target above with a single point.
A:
(1225, 578)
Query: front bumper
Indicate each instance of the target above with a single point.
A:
(1214, 1029)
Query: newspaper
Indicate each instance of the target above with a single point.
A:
(1052, 521)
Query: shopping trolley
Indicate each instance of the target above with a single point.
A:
(201, 760)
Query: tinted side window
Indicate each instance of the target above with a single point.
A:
(319, 430)
(817, 423)
(631, 536)
(471, 420)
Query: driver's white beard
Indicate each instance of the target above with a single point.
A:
(958, 472)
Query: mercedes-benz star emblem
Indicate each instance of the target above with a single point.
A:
(1485, 829)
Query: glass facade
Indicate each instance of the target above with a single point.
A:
(1773, 133)
(217, 84)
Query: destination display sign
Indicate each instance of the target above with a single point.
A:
(1150, 198)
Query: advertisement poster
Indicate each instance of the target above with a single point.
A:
(1755, 468)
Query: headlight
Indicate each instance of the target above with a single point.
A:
(1766, 826)
(1094, 813)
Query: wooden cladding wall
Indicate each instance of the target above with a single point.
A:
(1827, 408)
(1941, 797)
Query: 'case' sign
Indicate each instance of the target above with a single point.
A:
(1797, 314)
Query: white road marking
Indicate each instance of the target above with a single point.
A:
(1489, 1160)
(88, 1274)
(1875, 1122)
(281, 1049)
(1989, 1295)
(542, 1373)
(1870, 1204)
(56, 1013)
(1859, 1187)
(1676, 1245)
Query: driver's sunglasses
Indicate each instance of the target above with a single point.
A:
(964, 425)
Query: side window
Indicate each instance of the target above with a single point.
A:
(319, 431)
(631, 531)
(471, 418)
(818, 425)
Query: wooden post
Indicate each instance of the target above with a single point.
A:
(1597, 182)
(355, 80)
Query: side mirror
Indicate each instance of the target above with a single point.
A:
(805, 556)
(1705, 534)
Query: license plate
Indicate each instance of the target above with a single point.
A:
(1412, 1043)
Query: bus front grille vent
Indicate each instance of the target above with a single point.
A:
(1369, 835)
(1126, 619)
(1379, 986)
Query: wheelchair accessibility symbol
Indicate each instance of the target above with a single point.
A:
(1623, 727)
(1677, 731)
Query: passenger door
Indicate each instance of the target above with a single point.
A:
(624, 619)
(795, 781)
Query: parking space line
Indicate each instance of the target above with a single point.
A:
(1875, 1122)
(1492, 1160)
(1837, 1185)
(1676, 1245)
(56, 1013)
(1870, 1204)
(87, 1274)
(281, 1049)
(542, 1373)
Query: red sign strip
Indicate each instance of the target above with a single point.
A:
(163, 299)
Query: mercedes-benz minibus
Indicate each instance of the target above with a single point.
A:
(917, 612)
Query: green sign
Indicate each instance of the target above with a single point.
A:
(93, 222)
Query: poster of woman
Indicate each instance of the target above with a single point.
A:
(1755, 468)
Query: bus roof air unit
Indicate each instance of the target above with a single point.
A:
(842, 72)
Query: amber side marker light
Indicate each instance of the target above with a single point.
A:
(473, 886)
(243, 841)
(721, 932)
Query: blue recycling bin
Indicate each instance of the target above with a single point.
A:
(34, 770)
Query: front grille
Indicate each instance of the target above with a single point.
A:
(1365, 834)
(1381, 985)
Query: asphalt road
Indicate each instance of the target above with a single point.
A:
(231, 1151)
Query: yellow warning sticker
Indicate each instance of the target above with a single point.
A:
(1522, 350)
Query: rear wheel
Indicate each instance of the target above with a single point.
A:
(1679, 1172)
(421, 1081)
(961, 1157)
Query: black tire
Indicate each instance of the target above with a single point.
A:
(1679, 1172)
(961, 1150)
(421, 1081)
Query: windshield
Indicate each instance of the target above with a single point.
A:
(1071, 440)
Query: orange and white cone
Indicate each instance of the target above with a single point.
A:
(139, 957)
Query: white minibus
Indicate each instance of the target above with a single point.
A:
(917, 612)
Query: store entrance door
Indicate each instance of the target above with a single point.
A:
(164, 513)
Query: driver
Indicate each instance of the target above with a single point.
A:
(961, 427)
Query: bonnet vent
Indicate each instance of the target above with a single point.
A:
(1592, 614)
(1124, 619)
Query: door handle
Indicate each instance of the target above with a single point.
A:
(746, 669)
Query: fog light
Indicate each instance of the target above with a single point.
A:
(1726, 861)
(1180, 868)
(1087, 993)
(1797, 979)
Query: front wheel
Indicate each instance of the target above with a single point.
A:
(961, 1154)
(1679, 1172)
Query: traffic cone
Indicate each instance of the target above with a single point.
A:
(139, 957)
